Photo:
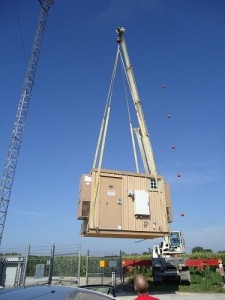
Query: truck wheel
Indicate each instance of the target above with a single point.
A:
(185, 282)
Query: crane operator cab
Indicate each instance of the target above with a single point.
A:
(172, 244)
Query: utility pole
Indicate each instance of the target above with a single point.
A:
(22, 110)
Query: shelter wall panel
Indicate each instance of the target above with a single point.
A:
(84, 197)
(112, 211)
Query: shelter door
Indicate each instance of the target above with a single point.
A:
(110, 203)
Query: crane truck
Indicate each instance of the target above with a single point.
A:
(132, 205)
(167, 262)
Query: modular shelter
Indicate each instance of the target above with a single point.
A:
(117, 204)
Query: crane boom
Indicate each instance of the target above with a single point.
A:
(142, 132)
(22, 110)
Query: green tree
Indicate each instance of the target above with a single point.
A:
(197, 249)
(208, 250)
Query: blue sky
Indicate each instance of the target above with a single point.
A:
(177, 43)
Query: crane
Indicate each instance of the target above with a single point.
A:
(122, 204)
(22, 110)
(165, 263)
(143, 137)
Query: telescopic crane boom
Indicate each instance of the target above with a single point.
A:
(142, 132)
(18, 128)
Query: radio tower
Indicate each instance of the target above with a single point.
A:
(22, 110)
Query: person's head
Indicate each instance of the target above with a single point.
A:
(141, 285)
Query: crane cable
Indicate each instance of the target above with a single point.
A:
(182, 150)
(129, 115)
(208, 190)
(101, 140)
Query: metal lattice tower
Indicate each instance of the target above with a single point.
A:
(22, 110)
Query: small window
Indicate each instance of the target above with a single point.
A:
(153, 185)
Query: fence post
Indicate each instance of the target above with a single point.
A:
(78, 273)
(24, 274)
(102, 279)
(121, 268)
(18, 271)
(51, 264)
(114, 278)
(87, 263)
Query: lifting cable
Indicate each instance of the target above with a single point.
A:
(102, 138)
(206, 191)
(129, 114)
(104, 125)
(211, 200)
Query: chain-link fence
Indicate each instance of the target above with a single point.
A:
(103, 268)
(38, 265)
(66, 265)
(59, 265)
